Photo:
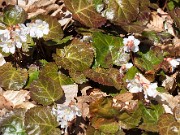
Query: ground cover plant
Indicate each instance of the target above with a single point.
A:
(89, 67)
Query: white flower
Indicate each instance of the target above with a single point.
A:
(141, 84)
(125, 67)
(173, 62)
(65, 114)
(2, 60)
(38, 28)
(150, 90)
(8, 46)
(131, 44)
(4, 35)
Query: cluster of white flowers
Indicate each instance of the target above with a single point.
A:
(173, 62)
(131, 44)
(16, 35)
(65, 114)
(141, 84)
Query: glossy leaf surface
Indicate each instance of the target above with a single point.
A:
(39, 120)
(12, 78)
(84, 12)
(77, 56)
(45, 90)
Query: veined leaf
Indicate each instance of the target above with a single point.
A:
(109, 77)
(40, 120)
(13, 123)
(77, 56)
(103, 108)
(77, 76)
(14, 14)
(84, 12)
(12, 78)
(123, 11)
(55, 30)
(149, 60)
(50, 70)
(107, 126)
(130, 119)
(150, 117)
(168, 125)
(107, 49)
(45, 90)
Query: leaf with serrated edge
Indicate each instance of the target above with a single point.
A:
(45, 91)
(40, 121)
(50, 70)
(124, 11)
(149, 60)
(84, 12)
(168, 125)
(12, 78)
(77, 56)
(107, 49)
(109, 77)
(150, 117)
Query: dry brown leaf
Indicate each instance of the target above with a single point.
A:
(161, 21)
(18, 98)
(124, 97)
(168, 99)
(4, 103)
(169, 83)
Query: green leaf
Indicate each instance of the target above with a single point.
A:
(56, 31)
(77, 56)
(14, 14)
(33, 75)
(149, 60)
(150, 117)
(78, 77)
(40, 121)
(168, 125)
(131, 73)
(13, 123)
(103, 108)
(45, 90)
(50, 70)
(59, 42)
(107, 49)
(109, 77)
(12, 78)
(151, 35)
(84, 12)
(125, 11)
(130, 119)
(107, 126)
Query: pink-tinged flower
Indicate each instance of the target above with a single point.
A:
(2, 60)
(173, 62)
(141, 84)
(131, 44)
